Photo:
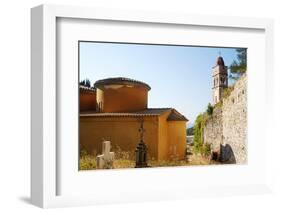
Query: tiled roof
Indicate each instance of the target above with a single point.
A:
(154, 111)
(120, 80)
(116, 114)
(87, 89)
(146, 112)
(150, 112)
(176, 116)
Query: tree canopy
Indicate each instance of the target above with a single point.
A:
(239, 66)
(86, 82)
(210, 109)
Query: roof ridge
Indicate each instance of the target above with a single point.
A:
(176, 116)
(118, 80)
(160, 108)
(82, 87)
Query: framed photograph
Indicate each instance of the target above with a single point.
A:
(149, 106)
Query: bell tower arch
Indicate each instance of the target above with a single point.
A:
(220, 79)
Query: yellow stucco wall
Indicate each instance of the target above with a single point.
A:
(122, 98)
(176, 139)
(166, 140)
(121, 131)
(163, 136)
(172, 138)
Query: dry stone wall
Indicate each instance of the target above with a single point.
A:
(226, 129)
(213, 129)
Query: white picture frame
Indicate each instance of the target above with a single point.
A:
(44, 135)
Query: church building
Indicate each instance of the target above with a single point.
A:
(114, 109)
(220, 79)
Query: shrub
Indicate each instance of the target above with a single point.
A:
(83, 152)
(227, 91)
(206, 149)
(199, 131)
(210, 109)
(88, 162)
(121, 154)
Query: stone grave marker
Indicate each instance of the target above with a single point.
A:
(105, 160)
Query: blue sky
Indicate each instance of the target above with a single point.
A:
(179, 76)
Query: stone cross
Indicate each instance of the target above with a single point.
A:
(105, 160)
(141, 131)
(141, 150)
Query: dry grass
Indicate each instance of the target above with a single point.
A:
(198, 159)
(125, 159)
(120, 164)
(87, 162)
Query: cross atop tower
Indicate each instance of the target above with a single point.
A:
(220, 79)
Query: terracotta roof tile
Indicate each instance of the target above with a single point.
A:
(146, 112)
(87, 89)
(150, 112)
(176, 116)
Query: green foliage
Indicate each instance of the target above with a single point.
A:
(200, 123)
(239, 66)
(206, 149)
(219, 104)
(83, 152)
(199, 131)
(190, 131)
(210, 109)
(227, 91)
(87, 162)
(86, 82)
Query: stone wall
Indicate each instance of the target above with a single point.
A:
(213, 129)
(226, 129)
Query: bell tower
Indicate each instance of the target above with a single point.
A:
(220, 79)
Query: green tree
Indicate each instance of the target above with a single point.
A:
(190, 131)
(86, 82)
(210, 109)
(198, 132)
(198, 129)
(239, 66)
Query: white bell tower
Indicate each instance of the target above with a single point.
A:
(220, 79)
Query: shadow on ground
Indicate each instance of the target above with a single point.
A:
(26, 200)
